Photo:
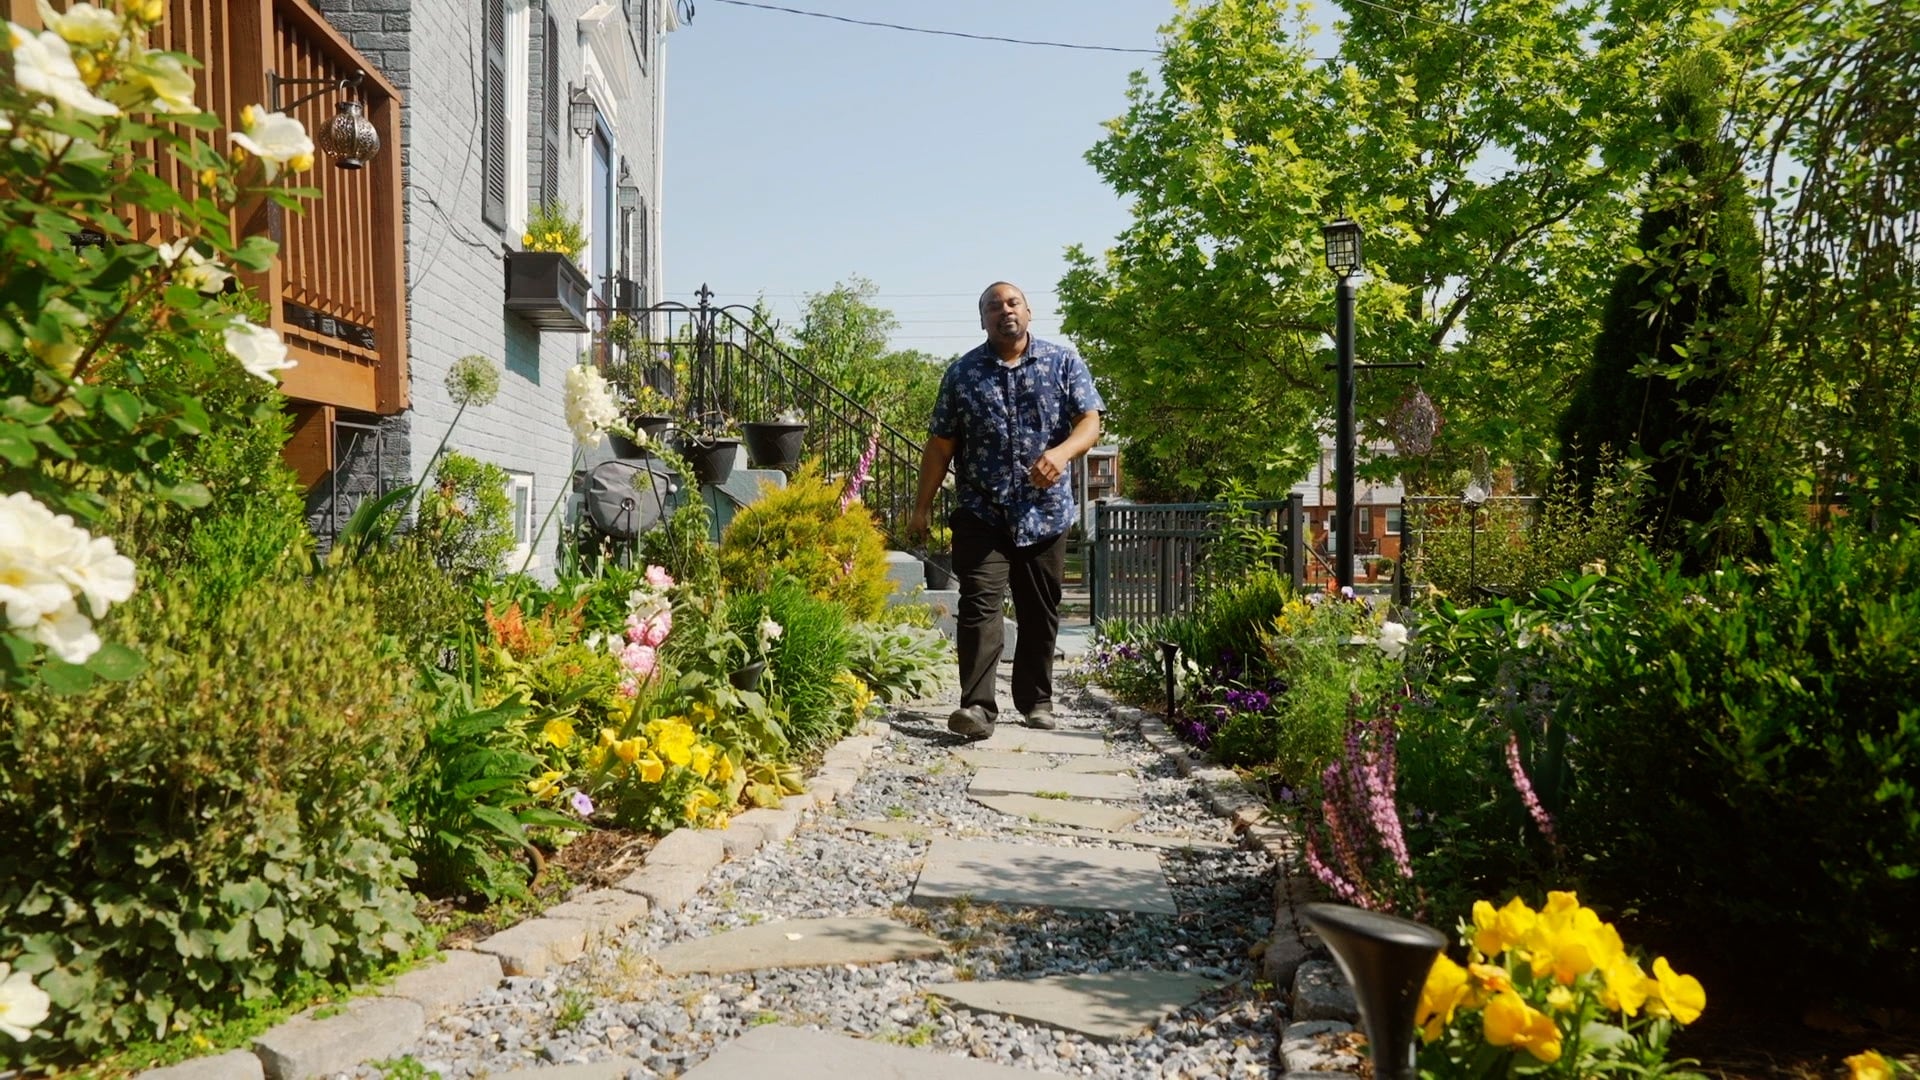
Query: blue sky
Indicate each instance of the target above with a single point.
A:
(800, 151)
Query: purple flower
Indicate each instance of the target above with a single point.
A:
(582, 805)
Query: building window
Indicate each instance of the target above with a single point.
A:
(1365, 527)
(601, 248)
(640, 19)
(503, 110)
(520, 497)
(1393, 521)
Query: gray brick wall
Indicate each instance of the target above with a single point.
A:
(372, 456)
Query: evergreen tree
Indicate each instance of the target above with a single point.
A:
(1660, 361)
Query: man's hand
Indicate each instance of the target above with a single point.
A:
(1051, 466)
(917, 526)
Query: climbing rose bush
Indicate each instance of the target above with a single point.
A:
(1555, 989)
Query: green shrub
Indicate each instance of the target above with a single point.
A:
(414, 601)
(1747, 752)
(216, 828)
(466, 521)
(812, 651)
(1516, 548)
(801, 531)
(1233, 617)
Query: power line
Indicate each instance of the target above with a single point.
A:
(942, 33)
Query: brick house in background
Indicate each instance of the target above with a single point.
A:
(1377, 514)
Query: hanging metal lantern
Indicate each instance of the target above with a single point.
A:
(1413, 423)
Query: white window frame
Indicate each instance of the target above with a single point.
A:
(520, 500)
(1396, 518)
(519, 121)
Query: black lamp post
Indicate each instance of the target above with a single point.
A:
(1343, 258)
(1169, 666)
(1386, 959)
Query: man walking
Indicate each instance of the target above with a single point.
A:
(1012, 416)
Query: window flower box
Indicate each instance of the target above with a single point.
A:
(548, 290)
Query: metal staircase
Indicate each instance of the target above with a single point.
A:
(722, 366)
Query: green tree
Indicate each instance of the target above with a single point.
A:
(1672, 323)
(843, 336)
(1487, 149)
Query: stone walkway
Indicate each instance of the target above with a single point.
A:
(1053, 902)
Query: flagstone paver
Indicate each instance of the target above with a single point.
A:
(1028, 875)
(1112, 1005)
(1011, 736)
(1061, 811)
(1139, 839)
(798, 943)
(1072, 785)
(1016, 759)
(794, 1054)
(899, 830)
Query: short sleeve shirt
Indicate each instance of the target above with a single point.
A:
(1004, 417)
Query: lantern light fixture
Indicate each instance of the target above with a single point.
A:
(583, 114)
(1343, 246)
(348, 137)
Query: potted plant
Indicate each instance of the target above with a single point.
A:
(545, 284)
(776, 443)
(939, 558)
(709, 442)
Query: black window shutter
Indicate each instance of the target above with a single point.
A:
(493, 108)
(638, 272)
(550, 109)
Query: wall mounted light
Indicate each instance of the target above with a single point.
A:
(348, 137)
(627, 195)
(582, 114)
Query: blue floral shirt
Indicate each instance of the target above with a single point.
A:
(1004, 418)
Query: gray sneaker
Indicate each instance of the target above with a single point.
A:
(971, 721)
(1041, 717)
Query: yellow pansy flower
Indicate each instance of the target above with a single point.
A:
(608, 736)
(1869, 1065)
(1623, 985)
(1491, 976)
(628, 750)
(723, 768)
(651, 769)
(1680, 996)
(558, 732)
(699, 800)
(545, 785)
(1510, 1021)
(676, 743)
(1446, 987)
(1497, 931)
(1560, 999)
(702, 762)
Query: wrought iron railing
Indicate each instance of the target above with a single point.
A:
(722, 365)
(1145, 560)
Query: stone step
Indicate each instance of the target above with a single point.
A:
(1037, 875)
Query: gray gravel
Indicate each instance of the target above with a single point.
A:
(614, 1002)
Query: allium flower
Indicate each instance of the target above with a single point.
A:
(43, 64)
(277, 139)
(1393, 640)
(22, 1004)
(590, 405)
(473, 380)
(258, 348)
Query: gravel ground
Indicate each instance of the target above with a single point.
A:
(615, 1002)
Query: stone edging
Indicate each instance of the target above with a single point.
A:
(380, 1025)
(1321, 1005)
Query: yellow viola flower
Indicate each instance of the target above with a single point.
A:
(651, 769)
(1510, 1021)
(1623, 985)
(608, 736)
(723, 768)
(700, 799)
(1560, 999)
(676, 743)
(628, 750)
(1869, 1065)
(545, 785)
(597, 757)
(702, 760)
(1490, 976)
(1445, 989)
(1677, 995)
(558, 732)
(526, 240)
(1497, 931)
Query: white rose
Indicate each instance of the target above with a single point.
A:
(275, 138)
(22, 1004)
(258, 349)
(166, 79)
(35, 544)
(43, 64)
(101, 574)
(1393, 639)
(83, 24)
(67, 633)
(195, 270)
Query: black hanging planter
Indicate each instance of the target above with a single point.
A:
(748, 678)
(548, 290)
(624, 447)
(774, 444)
(653, 427)
(711, 459)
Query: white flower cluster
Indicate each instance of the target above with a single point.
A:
(590, 405)
(47, 566)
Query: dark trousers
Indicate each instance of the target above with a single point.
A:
(988, 564)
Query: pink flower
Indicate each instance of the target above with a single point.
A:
(658, 577)
(656, 629)
(639, 658)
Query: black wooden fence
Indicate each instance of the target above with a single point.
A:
(1143, 560)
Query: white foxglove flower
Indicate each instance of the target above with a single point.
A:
(258, 349)
(43, 64)
(83, 25)
(1393, 640)
(590, 405)
(22, 1004)
(275, 138)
